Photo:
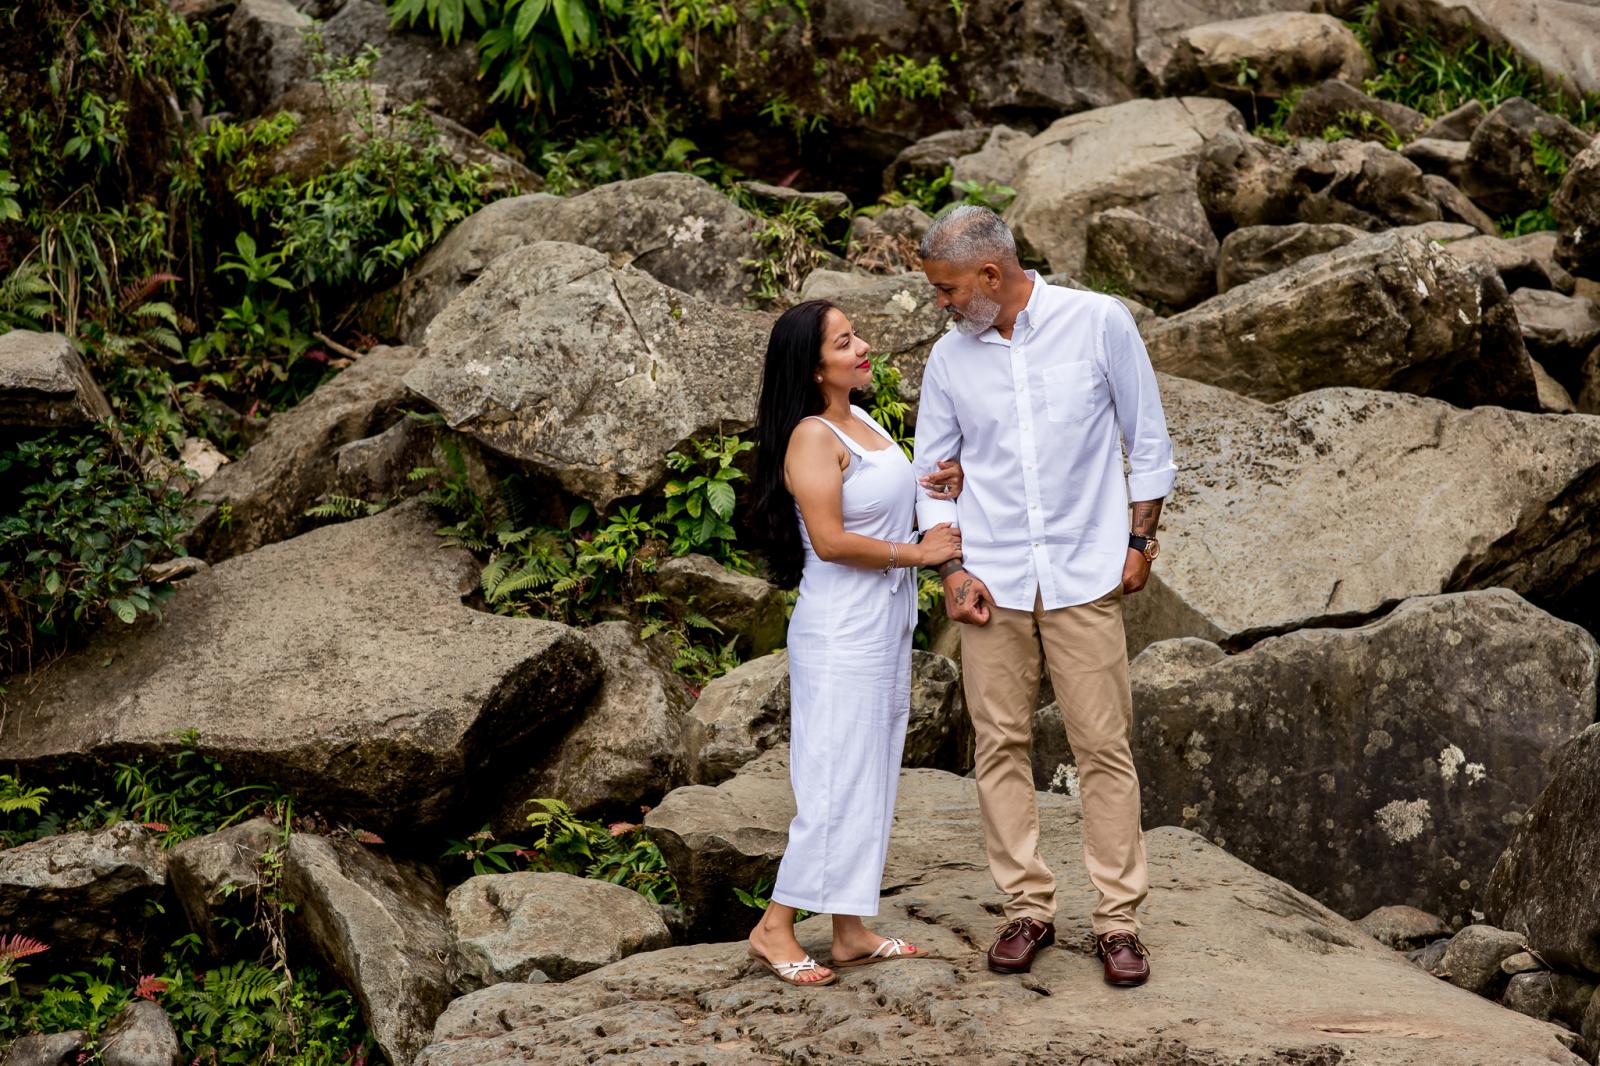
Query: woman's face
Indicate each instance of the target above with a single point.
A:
(844, 362)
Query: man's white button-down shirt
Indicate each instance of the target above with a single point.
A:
(1039, 423)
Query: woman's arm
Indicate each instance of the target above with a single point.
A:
(811, 469)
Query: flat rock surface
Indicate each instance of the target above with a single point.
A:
(341, 664)
(1247, 972)
(1367, 498)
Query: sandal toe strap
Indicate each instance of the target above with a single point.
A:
(795, 969)
(890, 948)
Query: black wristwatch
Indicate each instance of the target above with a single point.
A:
(1148, 547)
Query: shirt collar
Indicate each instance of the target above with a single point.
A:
(1025, 317)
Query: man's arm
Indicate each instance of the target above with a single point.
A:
(1136, 399)
(938, 437)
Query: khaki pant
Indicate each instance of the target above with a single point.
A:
(1088, 659)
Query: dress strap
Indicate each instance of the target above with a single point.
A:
(855, 449)
(873, 422)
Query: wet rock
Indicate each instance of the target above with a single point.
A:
(44, 385)
(746, 608)
(261, 498)
(82, 892)
(1282, 50)
(1255, 251)
(1152, 261)
(1539, 891)
(1140, 155)
(1511, 492)
(706, 1003)
(1576, 209)
(1431, 730)
(1472, 961)
(546, 926)
(379, 924)
(219, 875)
(623, 750)
(1244, 181)
(1390, 311)
(140, 1035)
(355, 673)
(597, 373)
(1403, 928)
(678, 228)
(1502, 175)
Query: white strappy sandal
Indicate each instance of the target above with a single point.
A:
(789, 972)
(891, 948)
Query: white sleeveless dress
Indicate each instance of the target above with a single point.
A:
(850, 694)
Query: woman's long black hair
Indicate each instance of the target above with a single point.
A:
(789, 392)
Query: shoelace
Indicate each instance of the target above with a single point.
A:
(1111, 941)
(1009, 928)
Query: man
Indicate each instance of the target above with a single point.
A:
(1033, 388)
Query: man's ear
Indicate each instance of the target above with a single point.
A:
(991, 275)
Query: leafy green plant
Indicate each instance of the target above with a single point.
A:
(699, 507)
(993, 195)
(81, 523)
(186, 793)
(484, 853)
(22, 298)
(928, 192)
(789, 240)
(887, 408)
(897, 76)
(757, 897)
(620, 853)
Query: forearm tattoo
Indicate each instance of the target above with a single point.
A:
(1146, 516)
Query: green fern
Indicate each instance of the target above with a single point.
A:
(22, 303)
(345, 507)
(14, 798)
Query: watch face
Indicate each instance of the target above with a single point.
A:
(1152, 549)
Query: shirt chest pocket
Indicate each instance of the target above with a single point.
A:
(1072, 391)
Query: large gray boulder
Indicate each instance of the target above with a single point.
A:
(1517, 262)
(1559, 331)
(1244, 181)
(1149, 260)
(995, 161)
(44, 385)
(1391, 311)
(84, 892)
(1544, 885)
(624, 749)
(261, 497)
(1502, 173)
(1283, 50)
(379, 925)
(1553, 35)
(46, 1049)
(939, 733)
(1576, 209)
(678, 228)
(1417, 741)
(748, 610)
(353, 674)
(1252, 252)
(1304, 985)
(1472, 960)
(219, 875)
(1140, 155)
(737, 717)
(267, 51)
(585, 372)
(141, 1034)
(1507, 503)
(928, 157)
(546, 926)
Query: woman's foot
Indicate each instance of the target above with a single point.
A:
(773, 941)
(853, 940)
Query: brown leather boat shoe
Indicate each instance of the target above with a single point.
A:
(1017, 942)
(1126, 959)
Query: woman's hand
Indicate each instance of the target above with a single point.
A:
(939, 544)
(944, 483)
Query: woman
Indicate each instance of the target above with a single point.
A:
(835, 502)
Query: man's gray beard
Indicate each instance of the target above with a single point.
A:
(979, 315)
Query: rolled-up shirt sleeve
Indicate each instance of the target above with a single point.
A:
(938, 438)
(1136, 399)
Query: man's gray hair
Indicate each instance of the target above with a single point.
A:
(968, 235)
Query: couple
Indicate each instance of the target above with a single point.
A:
(1024, 507)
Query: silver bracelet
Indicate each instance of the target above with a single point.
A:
(894, 557)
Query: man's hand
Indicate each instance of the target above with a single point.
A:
(1135, 572)
(966, 599)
